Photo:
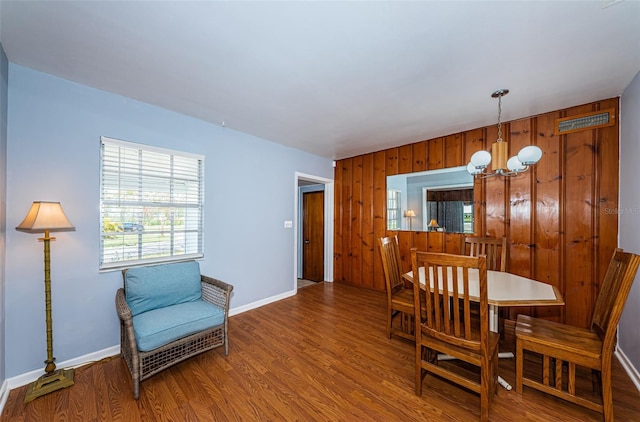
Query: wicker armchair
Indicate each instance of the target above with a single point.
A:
(144, 364)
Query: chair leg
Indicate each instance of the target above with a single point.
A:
(135, 378)
(494, 375)
(418, 373)
(519, 365)
(226, 339)
(389, 321)
(486, 372)
(404, 322)
(596, 381)
(607, 393)
(409, 324)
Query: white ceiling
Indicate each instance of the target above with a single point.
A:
(336, 79)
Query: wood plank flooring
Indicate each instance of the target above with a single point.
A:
(321, 355)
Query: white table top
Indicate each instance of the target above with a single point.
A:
(506, 289)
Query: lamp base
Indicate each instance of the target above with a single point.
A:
(48, 383)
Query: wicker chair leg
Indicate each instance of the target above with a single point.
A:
(135, 378)
(226, 339)
(136, 389)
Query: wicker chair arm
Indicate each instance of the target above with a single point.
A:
(124, 312)
(216, 291)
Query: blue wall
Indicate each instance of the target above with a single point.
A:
(53, 154)
(628, 332)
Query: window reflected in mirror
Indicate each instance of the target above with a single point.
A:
(394, 222)
(436, 200)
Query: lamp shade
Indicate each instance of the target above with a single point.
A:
(433, 223)
(410, 213)
(472, 169)
(514, 164)
(45, 216)
(530, 155)
(480, 159)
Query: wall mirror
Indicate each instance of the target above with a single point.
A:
(433, 200)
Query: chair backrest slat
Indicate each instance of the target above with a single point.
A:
(494, 248)
(613, 295)
(447, 301)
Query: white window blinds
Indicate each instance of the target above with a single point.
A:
(151, 204)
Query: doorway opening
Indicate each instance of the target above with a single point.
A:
(313, 228)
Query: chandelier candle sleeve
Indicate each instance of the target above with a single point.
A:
(499, 156)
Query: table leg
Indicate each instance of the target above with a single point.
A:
(504, 383)
(493, 326)
(493, 318)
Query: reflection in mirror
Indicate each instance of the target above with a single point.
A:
(435, 200)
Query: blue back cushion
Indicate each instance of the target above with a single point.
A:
(157, 286)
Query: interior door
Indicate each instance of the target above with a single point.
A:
(313, 236)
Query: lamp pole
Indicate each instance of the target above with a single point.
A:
(52, 380)
(51, 366)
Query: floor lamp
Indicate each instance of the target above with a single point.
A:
(410, 214)
(47, 217)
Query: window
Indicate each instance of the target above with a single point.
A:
(393, 209)
(151, 204)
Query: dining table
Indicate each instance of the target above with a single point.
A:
(504, 289)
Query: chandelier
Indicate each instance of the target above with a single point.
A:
(500, 165)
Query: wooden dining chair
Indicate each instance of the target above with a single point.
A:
(495, 249)
(399, 299)
(448, 331)
(591, 348)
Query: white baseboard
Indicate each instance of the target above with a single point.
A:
(4, 395)
(259, 303)
(26, 378)
(628, 367)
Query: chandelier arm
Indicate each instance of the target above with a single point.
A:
(501, 173)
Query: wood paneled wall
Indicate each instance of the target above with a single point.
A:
(559, 218)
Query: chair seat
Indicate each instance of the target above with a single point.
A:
(461, 352)
(403, 298)
(566, 341)
(403, 301)
(161, 326)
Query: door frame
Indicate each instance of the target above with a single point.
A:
(328, 224)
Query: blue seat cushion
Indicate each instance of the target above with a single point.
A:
(158, 327)
(157, 286)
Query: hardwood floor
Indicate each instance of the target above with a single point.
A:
(320, 355)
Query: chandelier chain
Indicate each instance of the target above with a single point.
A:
(499, 115)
